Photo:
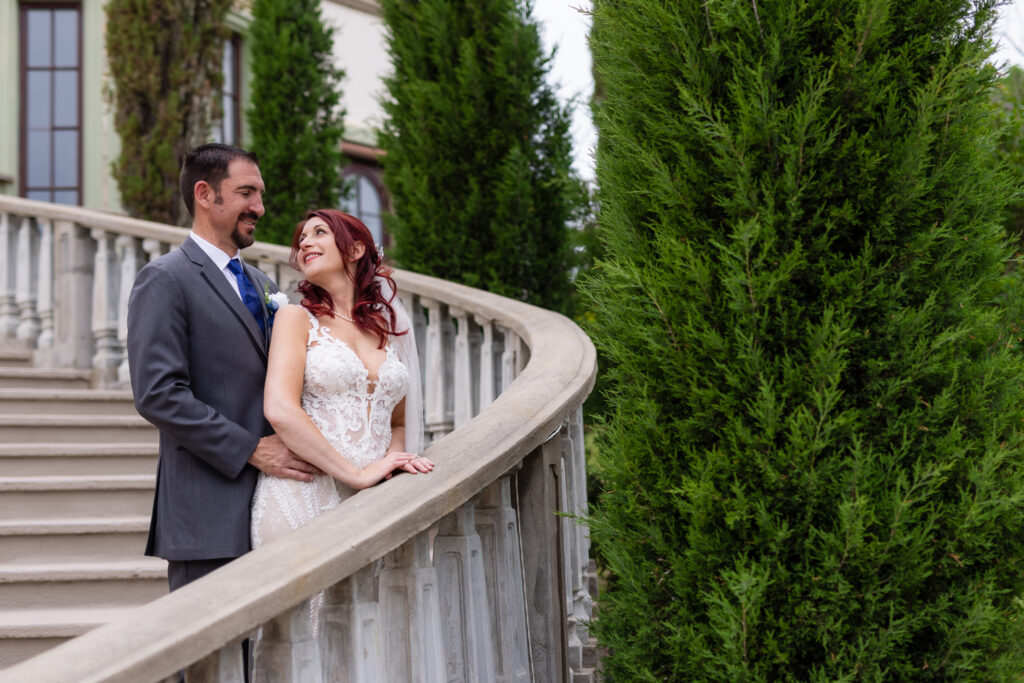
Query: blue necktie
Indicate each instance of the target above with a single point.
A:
(249, 295)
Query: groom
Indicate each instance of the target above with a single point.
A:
(198, 332)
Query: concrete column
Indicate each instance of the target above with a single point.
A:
(542, 563)
(8, 252)
(107, 358)
(73, 262)
(463, 384)
(436, 385)
(486, 386)
(464, 610)
(350, 643)
(498, 528)
(410, 614)
(44, 304)
(221, 666)
(287, 650)
(131, 262)
(26, 281)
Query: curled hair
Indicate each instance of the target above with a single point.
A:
(371, 311)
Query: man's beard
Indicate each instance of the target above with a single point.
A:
(239, 239)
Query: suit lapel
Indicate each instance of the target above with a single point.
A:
(225, 294)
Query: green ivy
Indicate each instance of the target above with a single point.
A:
(165, 65)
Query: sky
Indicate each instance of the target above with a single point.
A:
(565, 24)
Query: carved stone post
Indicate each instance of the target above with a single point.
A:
(221, 666)
(288, 652)
(25, 283)
(486, 363)
(463, 384)
(350, 644)
(498, 529)
(509, 357)
(131, 263)
(107, 359)
(464, 614)
(45, 287)
(8, 251)
(542, 563)
(436, 420)
(73, 263)
(410, 614)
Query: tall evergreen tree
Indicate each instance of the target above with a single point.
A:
(478, 150)
(294, 116)
(813, 461)
(165, 66)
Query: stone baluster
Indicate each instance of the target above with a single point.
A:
(463, 384)
(435, 420)
(25, 283)
(154, 249)
(410, 614)
(74, 258)
(107, 357)
(45, 287)
(538, 489)
(8, 253)
(350, 647)
(466, 622)
(220, 666)
(288, 650)
(583, 599)
(510, 350)
(486, 386)
(131, 255)
(570, 561)
(498, 528)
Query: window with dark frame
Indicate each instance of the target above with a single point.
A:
(228, 128)
(365, 202)
(50, 164)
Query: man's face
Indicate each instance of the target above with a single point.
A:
(238, 203)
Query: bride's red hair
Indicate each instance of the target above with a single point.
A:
(370, 307)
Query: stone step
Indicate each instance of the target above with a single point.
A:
(81, 584)
(39, 459)
(81, 539)
(57, 401)
(76, 429)
(38, 377)
(53, 497)
(25, 633)
(12, 357)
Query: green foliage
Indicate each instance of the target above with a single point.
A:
(478, 151)
(1009, 99)
(165, 65)
(813, 462)
(294, 115)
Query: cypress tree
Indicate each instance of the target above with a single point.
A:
(165, 66)
(294, 114)
(478, 150)
(813, 457)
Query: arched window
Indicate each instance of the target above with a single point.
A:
(365, 201)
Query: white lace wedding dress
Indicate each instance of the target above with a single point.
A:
(354, 414)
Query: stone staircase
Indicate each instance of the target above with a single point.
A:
(77, 467)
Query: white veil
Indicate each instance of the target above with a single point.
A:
(405, 346)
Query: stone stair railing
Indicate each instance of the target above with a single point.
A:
(467, 574)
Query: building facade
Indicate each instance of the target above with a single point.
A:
(57, 137)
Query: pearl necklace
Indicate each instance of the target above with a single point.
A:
(343, 317)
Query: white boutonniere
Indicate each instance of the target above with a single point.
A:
(273, 301)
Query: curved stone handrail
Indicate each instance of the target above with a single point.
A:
(528, 439)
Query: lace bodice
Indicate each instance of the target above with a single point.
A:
(353, 413)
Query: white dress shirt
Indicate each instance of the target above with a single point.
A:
(220, 259)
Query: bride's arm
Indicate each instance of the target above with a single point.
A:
(282, 406)
(418, 463)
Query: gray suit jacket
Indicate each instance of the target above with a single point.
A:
(198, 361)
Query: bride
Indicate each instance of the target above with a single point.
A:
(342, 387)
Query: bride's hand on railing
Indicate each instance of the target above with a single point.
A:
(385, 467)
(418, 464)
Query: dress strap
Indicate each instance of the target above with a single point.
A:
(314, 328)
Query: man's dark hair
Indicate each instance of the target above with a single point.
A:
(210, 163)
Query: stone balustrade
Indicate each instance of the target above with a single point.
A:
(466, 574)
